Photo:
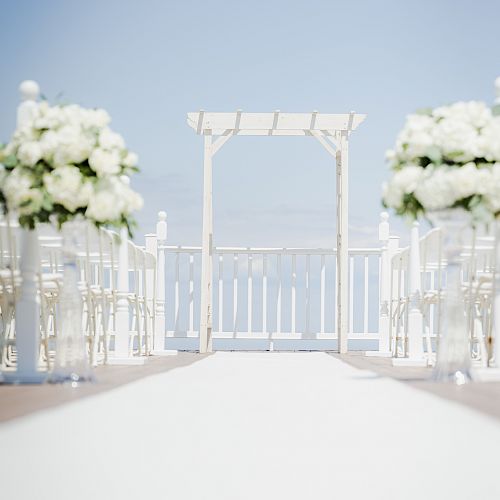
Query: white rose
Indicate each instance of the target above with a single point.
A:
(74, 145)
(489, 141)
(474, 113)
(49, 142)
(104, 162)
(73, 114)
(130, 160)
(112, 198)
(416, 137)
(467, 180)
(110, 140)
(102, 206)
(51, 117)
(404, 181)
(24, 134)
(98, 118)
(29, 153)
(457, 139)
(67, 187)
(128, 199)
(492, 189)
(20, 194)
(436, 190)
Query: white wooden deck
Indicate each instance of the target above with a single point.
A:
(254, 426)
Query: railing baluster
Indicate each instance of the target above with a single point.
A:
(176, 300)
(351, 294)
(221, 291)
(264, 293)
(365, 306)
(278, 301)
(308, 291)
(322, 295)
(250, 292)
(294, 284)
(432, 306)
(235, 292)
(335, 311)
(191, 292)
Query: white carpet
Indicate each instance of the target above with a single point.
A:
(254, 426)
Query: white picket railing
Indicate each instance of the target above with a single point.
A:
(262, 288)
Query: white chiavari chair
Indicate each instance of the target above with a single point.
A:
(9, 288)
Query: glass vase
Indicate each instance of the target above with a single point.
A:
(71, 364)
(453, 360)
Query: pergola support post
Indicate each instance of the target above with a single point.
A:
(342, 242)
(206, 254)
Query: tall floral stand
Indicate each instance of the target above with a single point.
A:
(453, 361)
(496, 300)
(71, 362)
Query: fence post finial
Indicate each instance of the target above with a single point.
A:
(29, 90)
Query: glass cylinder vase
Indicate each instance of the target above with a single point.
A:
(71, 364)
(453, 360)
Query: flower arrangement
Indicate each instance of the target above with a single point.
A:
(64, 163)
(448, 157)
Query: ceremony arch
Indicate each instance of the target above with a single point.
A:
(332, 131)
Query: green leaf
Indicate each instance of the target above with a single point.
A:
(10, 161)
(434, 154)
(424, 111)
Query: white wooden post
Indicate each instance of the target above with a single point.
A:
(415, 346)
(342, 243)
(28, 306)
(160, 323)
(206, 255)
(384, 342)
(152, 248)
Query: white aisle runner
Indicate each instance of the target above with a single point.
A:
(254, 426)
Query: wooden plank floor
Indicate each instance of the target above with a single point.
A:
(17, 400)
(482, 396)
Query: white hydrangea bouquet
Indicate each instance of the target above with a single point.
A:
(66, 163)
(448, 157)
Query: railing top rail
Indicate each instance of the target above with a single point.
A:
(272, 251)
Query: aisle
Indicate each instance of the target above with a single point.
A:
(253, 426)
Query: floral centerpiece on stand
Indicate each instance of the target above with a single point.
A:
(65, 166)
(446, 167)
(448, 157)
(67, 163)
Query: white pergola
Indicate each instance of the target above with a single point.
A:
(332, 131)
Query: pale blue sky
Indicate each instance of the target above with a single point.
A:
(150, 62)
